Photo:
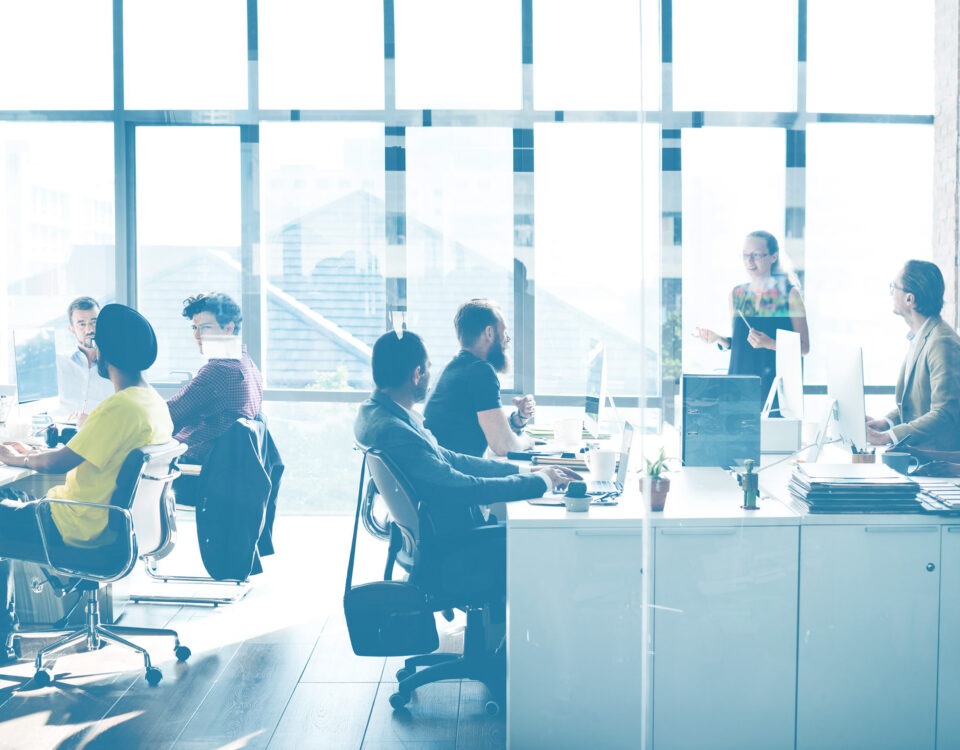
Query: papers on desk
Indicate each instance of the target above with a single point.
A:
(854, 488)
(941, 496)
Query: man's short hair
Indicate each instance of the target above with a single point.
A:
(924, 281)
(473, 317)
(81, 303)
(395, 358)
(224, 309)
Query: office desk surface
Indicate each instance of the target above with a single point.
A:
(696, 494)
(10, 474)
(711, 496)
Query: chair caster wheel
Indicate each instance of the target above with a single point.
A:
(492, 708)
(154, 676)
(182, 653)
(43, 677)
(399, 700)
(404, 673)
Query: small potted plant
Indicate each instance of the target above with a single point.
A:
(659, 485)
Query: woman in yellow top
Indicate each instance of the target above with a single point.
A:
(134, 416)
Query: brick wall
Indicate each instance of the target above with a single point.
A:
(946, 189)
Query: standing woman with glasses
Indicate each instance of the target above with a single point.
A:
(770, 300)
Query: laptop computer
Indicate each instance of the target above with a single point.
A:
(607, 486)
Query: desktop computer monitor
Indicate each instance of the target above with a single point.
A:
(596, 386)
(845, 389)
(36, 362)
(789, 375)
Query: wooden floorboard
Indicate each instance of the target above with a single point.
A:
(155, 717)
(333, 659)
(273, 670)
(250, 696)
(329, 715)
(477, 730)
(431, 715)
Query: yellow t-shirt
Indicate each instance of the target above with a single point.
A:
(129, 419)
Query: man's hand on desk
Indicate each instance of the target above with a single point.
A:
(560, 476)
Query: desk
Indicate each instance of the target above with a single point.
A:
(730, 590)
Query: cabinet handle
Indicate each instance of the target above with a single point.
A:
(953, 529)
(899, 529)
(728, 531)
(609, 532)
(931, 567)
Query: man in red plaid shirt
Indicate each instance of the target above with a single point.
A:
(229, 386)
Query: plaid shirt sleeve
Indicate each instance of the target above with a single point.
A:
(194, 400)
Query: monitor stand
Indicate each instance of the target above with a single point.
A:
(774, 390)
(831, 416)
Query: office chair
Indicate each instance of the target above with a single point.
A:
(415, 530)
(247, 441)
(139, 515)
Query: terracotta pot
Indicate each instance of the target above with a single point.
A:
(656, 490)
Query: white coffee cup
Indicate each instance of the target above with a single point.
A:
(602, 463)
(568, 432)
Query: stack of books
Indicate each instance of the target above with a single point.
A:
(854, 488)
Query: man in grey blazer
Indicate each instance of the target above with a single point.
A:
(928, 389)
(450, 485)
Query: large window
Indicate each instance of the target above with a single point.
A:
(188, 231)
(342, 168)
(56, 225)
(322, 230)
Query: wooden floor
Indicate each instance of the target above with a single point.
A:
(274, 670)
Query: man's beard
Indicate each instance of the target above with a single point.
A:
(498, 358)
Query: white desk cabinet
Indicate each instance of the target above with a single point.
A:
(867, 653)
(948, 699)
(575, 650)
(725, 634)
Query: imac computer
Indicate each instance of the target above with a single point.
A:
(596, 386)
(846, 404)
(36, 363)
(788, 383)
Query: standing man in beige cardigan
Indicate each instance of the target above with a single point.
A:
(928, 389)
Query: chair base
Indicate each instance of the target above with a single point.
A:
(95, 634)
(476, 663)
(150, 566)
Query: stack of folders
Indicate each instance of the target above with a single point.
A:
(854, 488)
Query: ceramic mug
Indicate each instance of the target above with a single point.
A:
(602, 463)
(901, 462)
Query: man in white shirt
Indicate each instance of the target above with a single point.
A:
(81, 386)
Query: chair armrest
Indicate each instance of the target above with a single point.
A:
(132, 547)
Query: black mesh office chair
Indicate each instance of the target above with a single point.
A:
(413, 526)
(139, 516)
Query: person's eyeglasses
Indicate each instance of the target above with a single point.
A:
(893, 285)
(755, 256)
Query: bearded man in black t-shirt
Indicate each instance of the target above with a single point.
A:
(464, 411)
